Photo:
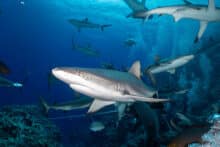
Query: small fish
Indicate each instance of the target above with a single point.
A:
(96, 126)
(130, 42)
(7, 83)
(4, 68)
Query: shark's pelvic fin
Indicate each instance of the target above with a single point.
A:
(99, 104)
(136, 69)
(203, 26)
(211, 5)
(177, 17)
(172, 71)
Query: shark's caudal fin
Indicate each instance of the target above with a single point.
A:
(136, 69)
(99, 104)
(203, 24)
(44, 104)
(104, 26)
(211, 5)
(136, 5)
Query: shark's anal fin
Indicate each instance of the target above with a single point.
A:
(202, 28)
(177, 17)
(136, 69)
(172, 71)
(99, 104)
(211, 5)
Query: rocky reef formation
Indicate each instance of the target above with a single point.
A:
(25, 126)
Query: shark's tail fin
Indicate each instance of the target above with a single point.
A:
(104, 26)
(45, 105)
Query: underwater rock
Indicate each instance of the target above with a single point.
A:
(26, 126)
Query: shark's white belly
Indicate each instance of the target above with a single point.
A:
(108, 92)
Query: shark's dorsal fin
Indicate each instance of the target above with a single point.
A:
(136, 69)
(211, 5)
(99, 104)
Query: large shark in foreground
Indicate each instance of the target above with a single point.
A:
(167, 66)
(107, 86)
(201, 13)
(86, 24)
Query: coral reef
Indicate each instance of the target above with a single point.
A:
(26, 126)
(212, 137)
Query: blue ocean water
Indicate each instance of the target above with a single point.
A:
(35, 36)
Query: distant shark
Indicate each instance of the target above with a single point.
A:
(197, 12)
(169, 66)
(107, 86)
(86, 24)
(85, 49)
(7, 83)
(80, 103)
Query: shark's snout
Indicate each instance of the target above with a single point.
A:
(60, 73)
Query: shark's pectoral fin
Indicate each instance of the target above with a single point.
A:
(203, 26)
(99, 104)
(172, 71)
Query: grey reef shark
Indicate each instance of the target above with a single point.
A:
(169, 66)
(85, 23)
(108, 87)
(204, 14)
